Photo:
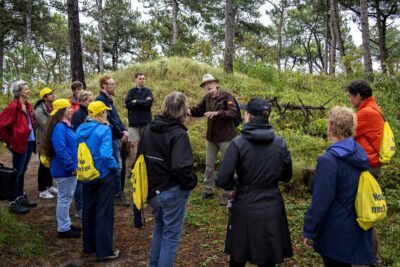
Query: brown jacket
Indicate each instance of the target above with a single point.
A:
(220, 128)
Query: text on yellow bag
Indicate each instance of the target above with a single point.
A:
(140, 182)
(370, 203)
(86, 169)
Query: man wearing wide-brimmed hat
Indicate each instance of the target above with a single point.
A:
(220, 109)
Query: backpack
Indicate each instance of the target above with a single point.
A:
(139, 181)
(86, 169)
(370, 203)
(388, 144)
(238, 120)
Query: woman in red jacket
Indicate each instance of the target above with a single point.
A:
(17, 131)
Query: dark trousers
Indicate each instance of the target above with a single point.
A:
(98, 216)
(44, 178)
(20, 164)
(334, 263)
(243, 264)
(123, 173)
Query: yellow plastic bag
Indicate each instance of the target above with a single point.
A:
(370, 202)
(387, 144)
(86, 169)
(140, 182)
(45, 160)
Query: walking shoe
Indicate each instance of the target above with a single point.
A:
(53, 190)
(78, 214)
(119, 200)
(224, 200)
(25, 202)
(69, 234)
(45, 195)
(75, 228)
(17, 209)
(114, 256)
(208, 195)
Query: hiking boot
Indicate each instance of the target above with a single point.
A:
(69, 234)
(114, 256)
(17, 209)
(45, 195)
(25, 202)
(208, 195)
(75, 228)
(53, 190)
(120, 201)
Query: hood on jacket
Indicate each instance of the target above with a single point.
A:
(161, 124)
(351, 152)
(258, 131)
(85, 130)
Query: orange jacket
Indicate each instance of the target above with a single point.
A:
(370, 129)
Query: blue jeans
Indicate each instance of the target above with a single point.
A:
(20, 164)
(169, 213)
(78, 196)
(66, 188)
(116, 146)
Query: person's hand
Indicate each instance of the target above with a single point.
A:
(188, 112)
(125, 136)
(148, 98)
(211, 114)
(307, 242)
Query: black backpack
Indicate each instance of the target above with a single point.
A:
(238, 120)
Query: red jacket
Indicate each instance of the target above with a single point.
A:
(370, 129)
(74, 105)
(14, 125)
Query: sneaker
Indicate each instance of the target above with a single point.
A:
(17, 209)
(75, 228)
(208, 195)
(45, 195)
(69, 234)
(25, 202)
(78, 214)
(120, 200)
(53, 190)
(114, 256)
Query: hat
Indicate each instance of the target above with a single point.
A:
(45, 91)
(208, 78)
(59, 104)
(96, 107)
(256, 106)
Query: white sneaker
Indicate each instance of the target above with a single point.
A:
(53, 190)
(46, 195)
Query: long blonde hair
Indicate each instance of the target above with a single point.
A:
(99, 118)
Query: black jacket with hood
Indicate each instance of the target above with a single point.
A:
(258, 228)
(168, 155)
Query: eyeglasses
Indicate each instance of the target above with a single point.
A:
(111, 84)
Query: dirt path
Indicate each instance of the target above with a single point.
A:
(133, 243)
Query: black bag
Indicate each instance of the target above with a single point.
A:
(238, 120)
(8, 178)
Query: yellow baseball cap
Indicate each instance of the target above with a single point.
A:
(96, 107)
(59, 104)
(45, 91)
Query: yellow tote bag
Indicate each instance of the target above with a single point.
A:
(139, 182)
(370, 203)
(387, 144)
(86, 169)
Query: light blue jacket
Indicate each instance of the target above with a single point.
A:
(64, 161)
(98, 138)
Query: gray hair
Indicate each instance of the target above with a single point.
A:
(175, 107)
(16, 88)
(84, 95)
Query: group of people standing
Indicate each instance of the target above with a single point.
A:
(253, 164)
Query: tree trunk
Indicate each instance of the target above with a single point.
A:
(326, 46)
(229, 35)
(100, 27)
(174, 21)
(332, 58)
(75, 46)
(279, 31)
(381, 24)
(1, 60)
(29, 23)
(368, 72)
